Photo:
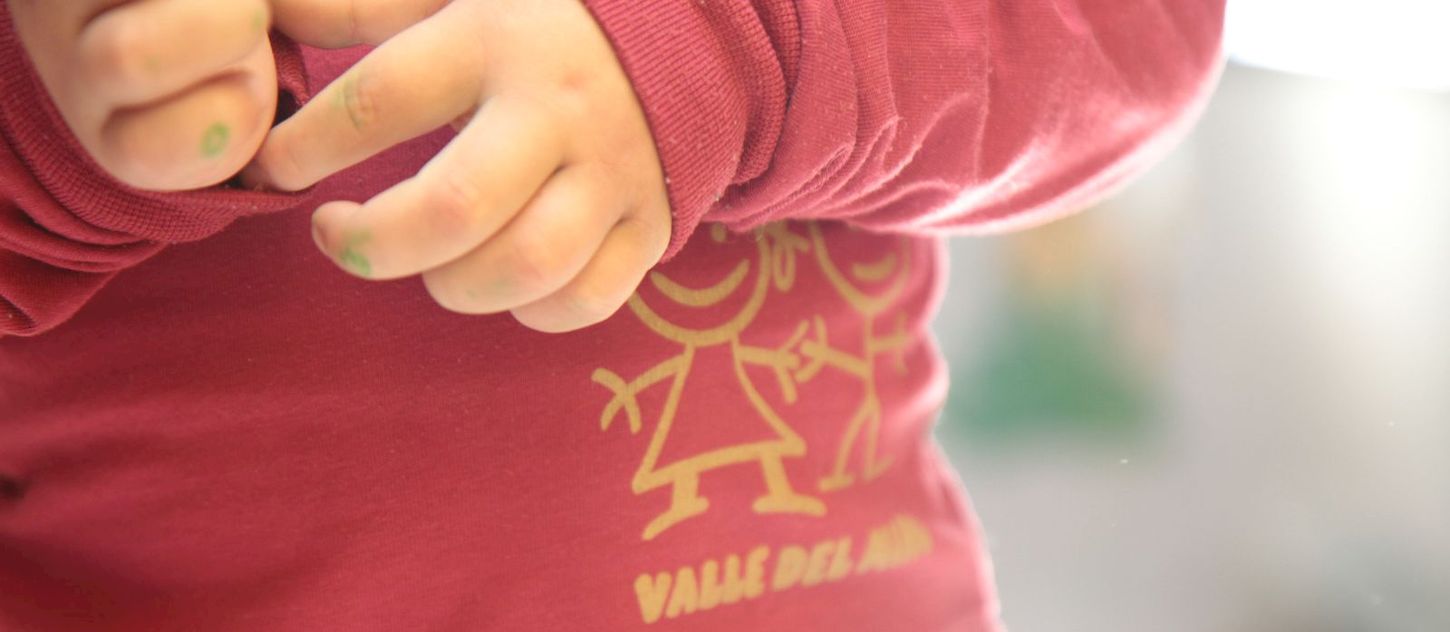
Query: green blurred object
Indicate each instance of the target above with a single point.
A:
(1051, 365)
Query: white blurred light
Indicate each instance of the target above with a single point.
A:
(1389, 42)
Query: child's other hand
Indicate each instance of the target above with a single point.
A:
(550, 203)
(163, 94)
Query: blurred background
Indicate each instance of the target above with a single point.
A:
(1220, 401)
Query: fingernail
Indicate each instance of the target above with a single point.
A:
(317, 236)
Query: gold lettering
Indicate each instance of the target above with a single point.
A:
(790, 563)
(734, 578)
(685, 596)
(651, 593)
(877, 553)
(896, 550)
(734, 585)
(916, 539)
(711, 592)
(816, 567)
(755, 571)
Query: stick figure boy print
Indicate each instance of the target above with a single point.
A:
(770, 439)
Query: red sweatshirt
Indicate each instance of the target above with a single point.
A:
(205, 426)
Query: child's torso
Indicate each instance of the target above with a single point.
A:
(235, 435)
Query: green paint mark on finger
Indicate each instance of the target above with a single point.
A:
(356, 262)
(215, 139)
(259, 21)
(346, 99)
(352, 259)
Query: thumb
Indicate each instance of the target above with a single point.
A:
(343, 23)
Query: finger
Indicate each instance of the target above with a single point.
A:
(633, 247)
(195, 139)
(545, 246)
(387, 98)
(342, 23)
(143, 51)
(456, 202)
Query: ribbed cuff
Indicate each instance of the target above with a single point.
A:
(692, 97)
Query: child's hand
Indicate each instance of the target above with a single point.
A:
(164, 94)
(550, 202)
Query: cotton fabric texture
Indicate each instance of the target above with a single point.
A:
(204, 425)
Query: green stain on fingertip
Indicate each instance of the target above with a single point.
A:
(356, 262)
(214, 140)
(352, 259)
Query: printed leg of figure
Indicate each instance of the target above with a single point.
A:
(838, 478)
(779, 496)
(685, 503)
(875, 465)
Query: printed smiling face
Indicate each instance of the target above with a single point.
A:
(868, 270)
(713, 299)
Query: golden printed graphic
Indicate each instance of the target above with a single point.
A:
(893, 269)
(772, 264)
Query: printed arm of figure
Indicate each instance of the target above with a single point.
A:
(66, 227)
(626, 394)
(931, 116)
(780, 360)
(894, 343)
(820, 354)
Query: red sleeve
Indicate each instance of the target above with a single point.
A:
(66, 227)
(921, 116)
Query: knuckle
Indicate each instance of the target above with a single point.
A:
(454, 204)
(361, 95)
(573, 96)
(116, 56)
(535, 264)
